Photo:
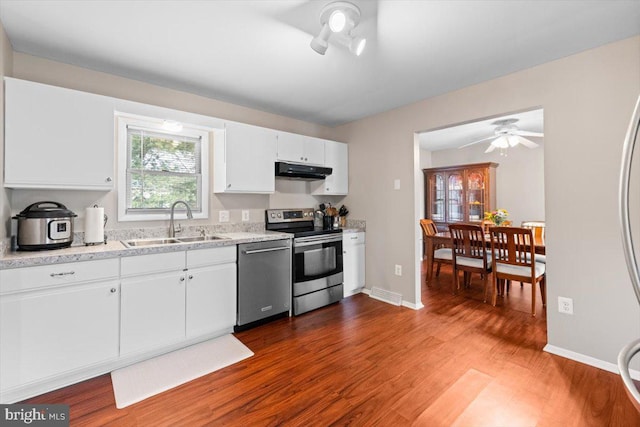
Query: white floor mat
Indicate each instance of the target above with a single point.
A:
(145, 379)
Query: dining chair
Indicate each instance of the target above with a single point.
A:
(438, 255)
(486, 223)
(469, 249)
(513, 251)
(538, 229)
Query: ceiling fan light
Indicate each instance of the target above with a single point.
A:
(513, 140)
(500, 142)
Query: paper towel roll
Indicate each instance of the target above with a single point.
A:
(94, 225)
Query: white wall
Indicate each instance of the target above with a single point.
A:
(588, 100)
(519, 177)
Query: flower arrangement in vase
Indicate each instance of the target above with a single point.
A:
(497, 216)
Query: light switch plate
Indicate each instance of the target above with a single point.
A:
(245, 215)
(398, 270)
(396, 184)
(224, 216)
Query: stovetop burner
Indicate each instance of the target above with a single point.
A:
(296, 221)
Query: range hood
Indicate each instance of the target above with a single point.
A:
(293, 170)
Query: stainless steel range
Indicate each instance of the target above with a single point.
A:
(317, 258)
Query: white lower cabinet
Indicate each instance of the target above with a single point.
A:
(194, 296)
(153, 311)
(211, 299)
(50, 330)
(63, 323)
(353, 262)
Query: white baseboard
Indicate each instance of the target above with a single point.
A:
(404, 303)
(411, 305)
(588, 360)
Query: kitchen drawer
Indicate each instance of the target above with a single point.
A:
(211, 256)
(20, 279)
(153, 263)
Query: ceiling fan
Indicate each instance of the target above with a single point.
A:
(507, 134)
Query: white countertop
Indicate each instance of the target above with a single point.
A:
(114, 249)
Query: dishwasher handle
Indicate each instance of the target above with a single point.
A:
(261, 251)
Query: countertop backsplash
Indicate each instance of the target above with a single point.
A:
(187, 230)
(358, 224)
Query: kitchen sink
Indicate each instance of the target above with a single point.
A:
(168, 241)
(149, 242)
(200, 238)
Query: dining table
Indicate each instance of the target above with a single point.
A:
(443, 239)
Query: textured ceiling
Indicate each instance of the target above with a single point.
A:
(257, 54)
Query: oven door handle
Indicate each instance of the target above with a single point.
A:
(260, 251)
(312, 241)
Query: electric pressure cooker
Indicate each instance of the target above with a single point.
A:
(45, 225)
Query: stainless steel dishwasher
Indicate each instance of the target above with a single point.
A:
(264, 282)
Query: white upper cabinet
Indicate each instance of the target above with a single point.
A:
(57, 138)
(244, 159)
(300, 149)
(337, 158)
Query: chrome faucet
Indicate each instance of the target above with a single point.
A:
(172, 230)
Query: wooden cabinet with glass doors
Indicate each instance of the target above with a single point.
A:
(459, 193)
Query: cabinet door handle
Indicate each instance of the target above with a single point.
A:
(182, 279)
(64, 273)
(190, 276)
(108, 179)
(113, 290)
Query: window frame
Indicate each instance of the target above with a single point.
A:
(123, 120)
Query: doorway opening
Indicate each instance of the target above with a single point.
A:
(519, 177)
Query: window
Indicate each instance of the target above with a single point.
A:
(158, 166)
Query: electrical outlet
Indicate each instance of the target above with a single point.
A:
(245, 215)
(565, 305)
(224, 216)
(398, 270)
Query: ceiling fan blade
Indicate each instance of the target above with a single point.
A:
(490, 149)
(527, 143)
(480, 140)
(527, 133)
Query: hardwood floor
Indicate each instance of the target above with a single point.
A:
(362, 362)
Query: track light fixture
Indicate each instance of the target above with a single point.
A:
(339, 18)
